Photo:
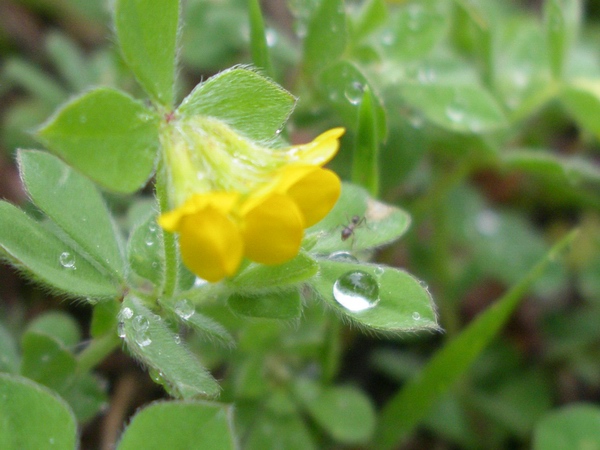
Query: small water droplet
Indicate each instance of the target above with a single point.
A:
(343, 257)
(354, 92)
(455, 112)
(388, 37)
(177, 339)
(416, 316)
(199, 282)
(143, 340)
(416, 120)
(184, 309)
(356, 291)
(379, 270)
(140, 324)
(487, 222)
(67, 260)
(152, 227)
(126, 313)
(121, 330)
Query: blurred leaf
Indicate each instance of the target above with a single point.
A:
(32, 79)
(573, 427)
(32, 417)
(383, 223)
(75, 205)
(372, 15)
(104, 317)
(281, 304)
(245, 100)
(582, 99)
(180, 425)
(260, 276)
(108, 136)
(465, 108)
(365, 162)
(412, 403)
(46, 361)
(86, 396)
(59, 325)
(562, 20)
(147, 33)
(258, 39)
(327, 26)
(377, 297)
(31, 246)
(9, 354)
(270, 430)
(151, 341)
(345, 412)
(69, 61)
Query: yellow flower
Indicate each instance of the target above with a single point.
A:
(263, 220)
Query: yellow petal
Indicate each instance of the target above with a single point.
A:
(320, 151)
(314, 190)
(221, 201)
(211, 244)
(273, 228)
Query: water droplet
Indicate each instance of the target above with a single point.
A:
(67, 260)
(143, 340)
(379, 270)
(416, 316)
(152, 227)
(271, 37)
(126, 313)
(121, 330)
(343, 257)
(177, 339)
(149, 240)
(199, 282)
(455, 112)
(184, 309)
(356, 291)
(487, 222)
(354, 92)
(416, 120)
(388, 37)
(140, 324)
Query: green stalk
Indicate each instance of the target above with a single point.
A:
(97, 351)
(169, 242)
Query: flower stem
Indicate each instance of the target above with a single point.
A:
(169, 243)
(98, 349)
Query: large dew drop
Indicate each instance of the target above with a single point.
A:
(356, 291)
(184, 309)
(67, 260)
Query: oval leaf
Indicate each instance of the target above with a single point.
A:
(285, 304)
(147, 32)
(180, 425)
(571, 427)
(108, 136)
(32, 417)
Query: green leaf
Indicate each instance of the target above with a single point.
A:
(582, 99)
(75, 205)
(282, 304)
(46, 361)
(104, 317)
(245, 100)
(9, 354)
(86, 396)
(562, 20)
(377, 297)
(207, 327)
(147, 33)
(344, 84)
(372, 15)
(407, 408)
(145, 249)
(571, 170)
(271, 430)
(29, 245)
(151, 341)
(59, 325)
(32, 417)
(382, 223)
(260, 276)
(345, 412)
(326, 36)
(179, 426)
(258, 39)
(465, 108)
(365, 162)
(35, 80)
(108, 136)
(69, 61)
(574, 427)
